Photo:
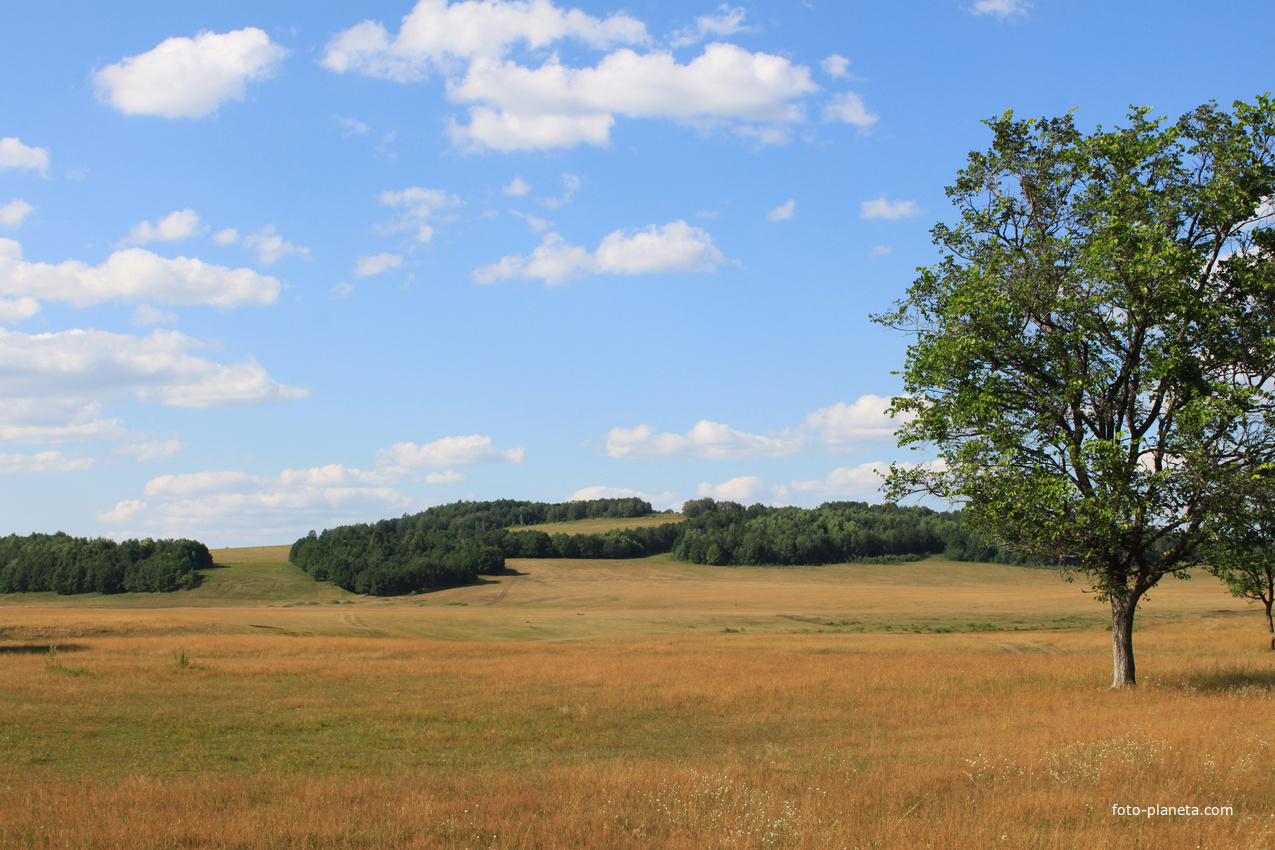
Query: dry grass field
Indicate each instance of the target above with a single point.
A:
(640, 704)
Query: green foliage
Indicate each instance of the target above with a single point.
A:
(69, 565)
(1092, 357)
(446, 546)
(1240, 546)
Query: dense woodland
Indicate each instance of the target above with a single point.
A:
(454, 544)
(67, 565)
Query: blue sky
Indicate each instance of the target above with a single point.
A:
(273, 267)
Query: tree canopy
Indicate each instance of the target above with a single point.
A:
(1092, 357)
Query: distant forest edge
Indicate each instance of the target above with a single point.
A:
(69, 565)
(454, 544)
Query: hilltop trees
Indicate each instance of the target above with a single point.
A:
(1092, 357)
(69, 565)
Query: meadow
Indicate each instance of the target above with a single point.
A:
(633, 704)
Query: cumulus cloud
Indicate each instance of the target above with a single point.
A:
(12, 213)
(539, 225)
(675, 247)
(435, 33)
(514, 106)
(743, 489)
(173, 227)
(151, 451)
(350, 126)
(570, 184)
(271, 247)
(881, 208)
(14, 154)
(133, 273)
(517, 187)
(17, 309)
(447, 453)
(377, 263)
(707, 441)
(728, 21)
(189, 77)
(229, 236)
(57, 420)
(1001, 8)
(418, 205)
(341, 290)
(145, 314)
(50, 461)
(784, 211)
(250, 508)
(81, 365)
(866, 420)
(836, 65)
(847, 108)
(847, 482)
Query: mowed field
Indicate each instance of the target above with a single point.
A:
(633, 704)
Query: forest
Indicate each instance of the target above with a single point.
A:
(454, 544)
(67, 565)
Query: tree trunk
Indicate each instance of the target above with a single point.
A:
(1270, 624)
(1122, 610)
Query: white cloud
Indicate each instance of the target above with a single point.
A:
(12, 213)
(145, 314)
(881, 251)
(784, 211)
(261, 509)
(847, 482)
(517, 188)
(743, 489)
(847, 108)
(659, 501)
(881, 208)
(836, 65)
(418, 206)
(189, 77)
(80, 365)
(447, 453)
(435, 33)
(341, 290)
(1001, 8)
(173, 227)
(570, 184)
(271, 247)
(229, 236)
(728, 21)
(449, 476)
(517, 107)
(539, 225)
(16, 309)
(675, 247)
(514, 106)
(14, 154)
(50, 461)
(707, 441)
(123, 511)
(57, 420)
(150, 451)
(377, 263)
(133, 273)
(864, 421)
(350, 126)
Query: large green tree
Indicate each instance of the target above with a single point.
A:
(1240, 547)
(1093, 356)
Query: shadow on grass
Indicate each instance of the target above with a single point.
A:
(39, 648)
(1234, 680)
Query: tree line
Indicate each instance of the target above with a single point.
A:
(454, 544)
(67, 565)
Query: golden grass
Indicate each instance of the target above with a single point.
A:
(354, 725)
(600, 525)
